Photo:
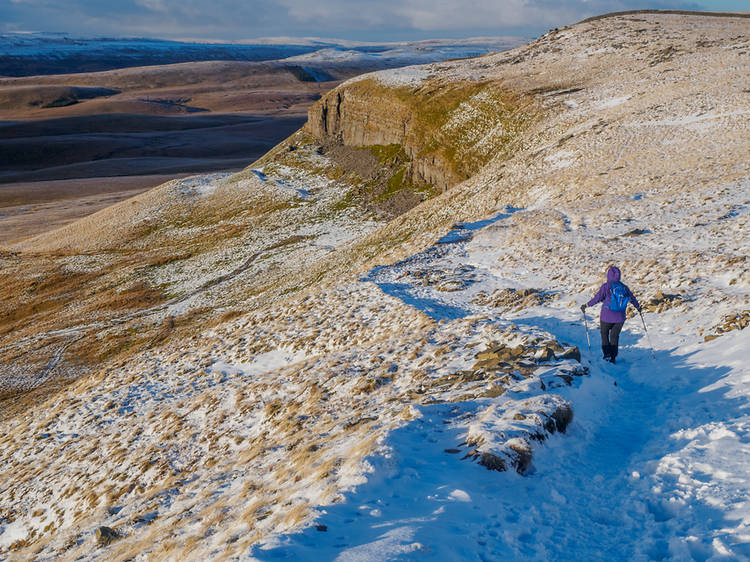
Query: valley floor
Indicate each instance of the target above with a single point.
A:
(30, 208)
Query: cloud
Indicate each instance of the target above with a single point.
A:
(235, 19)
(153, 5)
(451, 14)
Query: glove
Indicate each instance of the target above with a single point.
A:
(583, 308)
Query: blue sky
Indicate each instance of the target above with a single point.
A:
(380, 20)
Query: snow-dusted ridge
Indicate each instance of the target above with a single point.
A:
(370, 378)
(24, 54)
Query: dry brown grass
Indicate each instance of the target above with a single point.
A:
(15, 402)
(160, 260)
(137, 296)
(24, 298)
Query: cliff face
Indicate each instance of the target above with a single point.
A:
(355, 117)
(423, 121)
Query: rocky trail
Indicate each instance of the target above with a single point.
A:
(608, 489)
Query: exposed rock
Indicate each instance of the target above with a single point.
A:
(501, 351)
(513, 299)
(362, 116)
(556, 380)
(492, 462)
(106, 535)
(494, 365)
(497, 389)
(636, 232)
(544, 354)
(571, 353)
(736, 321)
(554, 346)
(663, 301)
(502, 436)
(523, 458)
(442, 151)
(456, 279)
(563, 415)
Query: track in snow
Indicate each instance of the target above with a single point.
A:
(607, 490)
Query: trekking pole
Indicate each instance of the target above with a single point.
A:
(648, 337)
(585, 323)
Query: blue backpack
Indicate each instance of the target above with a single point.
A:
(618, 297)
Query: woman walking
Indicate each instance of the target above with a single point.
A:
(615, 297)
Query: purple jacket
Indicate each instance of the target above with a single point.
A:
(603, 296)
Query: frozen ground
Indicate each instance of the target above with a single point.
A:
(653, 467)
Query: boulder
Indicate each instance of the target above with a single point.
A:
(562, 416)
(554, 346)
(106, 535)
(493, 365)
(571, 353)
(522, 457)
(492, 462)
(544, 354)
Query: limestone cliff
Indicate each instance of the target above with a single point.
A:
(444, 142)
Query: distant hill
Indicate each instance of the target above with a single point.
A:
(51, 53)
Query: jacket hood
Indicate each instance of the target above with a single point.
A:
(613, 274)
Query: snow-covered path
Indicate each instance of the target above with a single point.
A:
(652, 468)
(597, 493)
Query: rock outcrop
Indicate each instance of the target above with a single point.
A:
(354, 117)
(445, 143)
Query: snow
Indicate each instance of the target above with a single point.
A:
(59, 46)
(459, 495)
(201, 185)
(561, 159)
(261, 363)
(654, 467)
(578, 504)
(611, 102)
(12, 532)
(389, 54)
(693, 121)
(408, 76)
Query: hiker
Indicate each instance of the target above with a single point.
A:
(614, 297)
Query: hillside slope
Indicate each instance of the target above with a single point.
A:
(391, 294)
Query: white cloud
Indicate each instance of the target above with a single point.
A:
(153, 5)
(430, 15)
(375, 20)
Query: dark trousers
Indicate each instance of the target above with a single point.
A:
(610, 338)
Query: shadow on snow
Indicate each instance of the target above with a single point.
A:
(580, 501)
(406, 292)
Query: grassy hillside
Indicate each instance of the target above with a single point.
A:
(204, 366)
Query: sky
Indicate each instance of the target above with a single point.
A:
(380, 20)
